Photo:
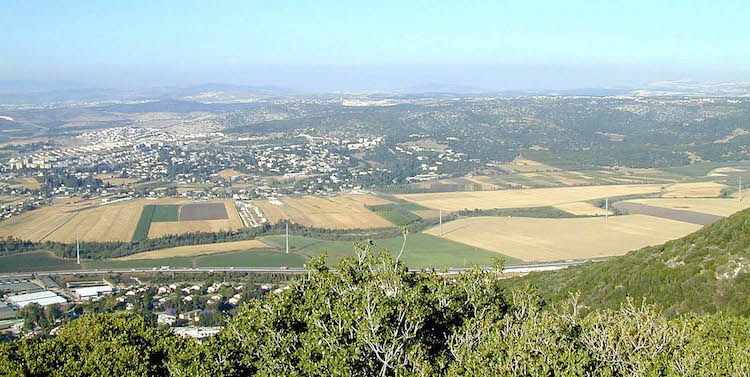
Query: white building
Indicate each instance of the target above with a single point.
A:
(165, 319)
(87, 293)
(43, 298)
(196, 332)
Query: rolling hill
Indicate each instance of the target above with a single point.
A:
(704, 272)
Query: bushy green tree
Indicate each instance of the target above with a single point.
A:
(373, 317)
(120, 344)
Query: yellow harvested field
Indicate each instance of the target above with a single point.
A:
(193, 250)
(582, 209)
(721, 172)
(160, 229)
(35, 225)
(426, 213)
(454, 201)
(357, 201)
(95, 222)
(27, 183)
(103, 223)
(694, 190)
(712, 206)
(229, 173)
(547, 240)
(90, 220)
(328, 213)
(368, 200)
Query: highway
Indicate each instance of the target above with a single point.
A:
(518, 269)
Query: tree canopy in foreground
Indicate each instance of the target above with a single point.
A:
(373, 317)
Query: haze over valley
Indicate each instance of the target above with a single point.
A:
(402, 189)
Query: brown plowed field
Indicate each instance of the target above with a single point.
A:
(231, 222)
(203, 211)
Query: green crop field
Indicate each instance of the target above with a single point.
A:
(399, 218)
(398, 213)
(261, 258)
(165, 212)
(422, 250)
(144, 223)
(154, 213)
(36, 261)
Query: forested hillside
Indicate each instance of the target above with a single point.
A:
(575, 131)
(704, 272)
(373, 317)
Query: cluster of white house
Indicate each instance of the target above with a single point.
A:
(197, 332)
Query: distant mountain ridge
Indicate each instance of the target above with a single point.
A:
(16, 92)
(692, 88)
(34, 92)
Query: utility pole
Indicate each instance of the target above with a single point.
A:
(739, 191)
(287, 238)
(78, 250)
(606, 207)
(441, 222)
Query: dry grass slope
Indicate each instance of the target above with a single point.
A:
(104, 223)
(693, 190)
(115, 222)
(345, 212)
(712, 206)
(27, 183)
(193, 250)
(62, 221)
(454, 201)
(546, 240)
(582, 209)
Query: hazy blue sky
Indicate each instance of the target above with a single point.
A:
(376, 45)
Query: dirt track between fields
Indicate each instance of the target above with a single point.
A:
(668, 213)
